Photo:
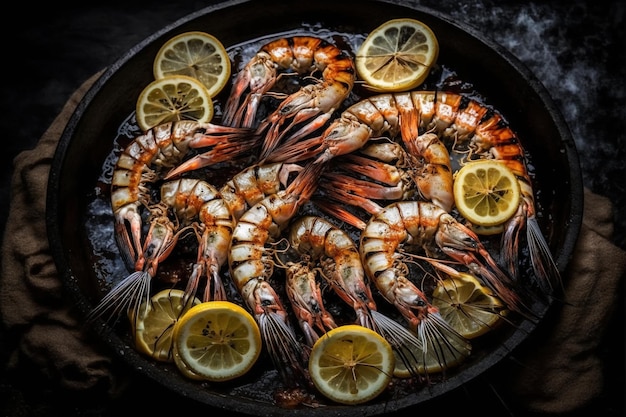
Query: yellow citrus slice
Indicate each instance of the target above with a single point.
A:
(397, 56)
(217, 340)
(351, 364)
(487, 230)
(467, 305)
(152, 328)
(183, 368)
(195, 54)
(486, 192)
(173, 98)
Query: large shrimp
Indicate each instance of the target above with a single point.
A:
(388, 115)
(251, 265)
(132, 292)
(199, 204)
(483, 133)
(332, 248)
(406, 227)
(162, 147)
(316, 101)
(306, 299)
(383, 171)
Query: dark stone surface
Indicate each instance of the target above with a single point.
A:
(576, 48)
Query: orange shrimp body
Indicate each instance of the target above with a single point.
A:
(482, 133)
(200, 205)
(313, 103)
(164, 146)
(406, 227)
(251, 265)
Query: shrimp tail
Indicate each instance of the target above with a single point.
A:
(547, 274)
(404, 343)
(441, 341)
(127, 296)
(283, 347)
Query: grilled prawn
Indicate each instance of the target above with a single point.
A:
(251, 264)
(199, 204)
(134, 290)
(423, 156)
(410, 227)
(140, 164)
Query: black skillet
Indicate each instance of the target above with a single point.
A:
(80, 223)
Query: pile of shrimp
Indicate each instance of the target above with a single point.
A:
(326, 201)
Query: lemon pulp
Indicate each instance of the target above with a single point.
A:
(173, 98)
(486, 192)
(217, 340)
(397, 56)
(152, 327)
(351, 364)
(467, 305)
(195, 54)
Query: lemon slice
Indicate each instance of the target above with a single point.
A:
(397, 56)
(195, 54)
(217, 340)
(351, 364)
(153, 326)
(183, 368)
(467, 305)
(173, 98)
(486, 192)
(487, 230)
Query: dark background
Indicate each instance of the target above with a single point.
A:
(576, 48)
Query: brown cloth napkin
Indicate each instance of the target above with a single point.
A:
(33, 304)
(561, 374)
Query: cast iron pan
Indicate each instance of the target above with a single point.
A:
(80, 221)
